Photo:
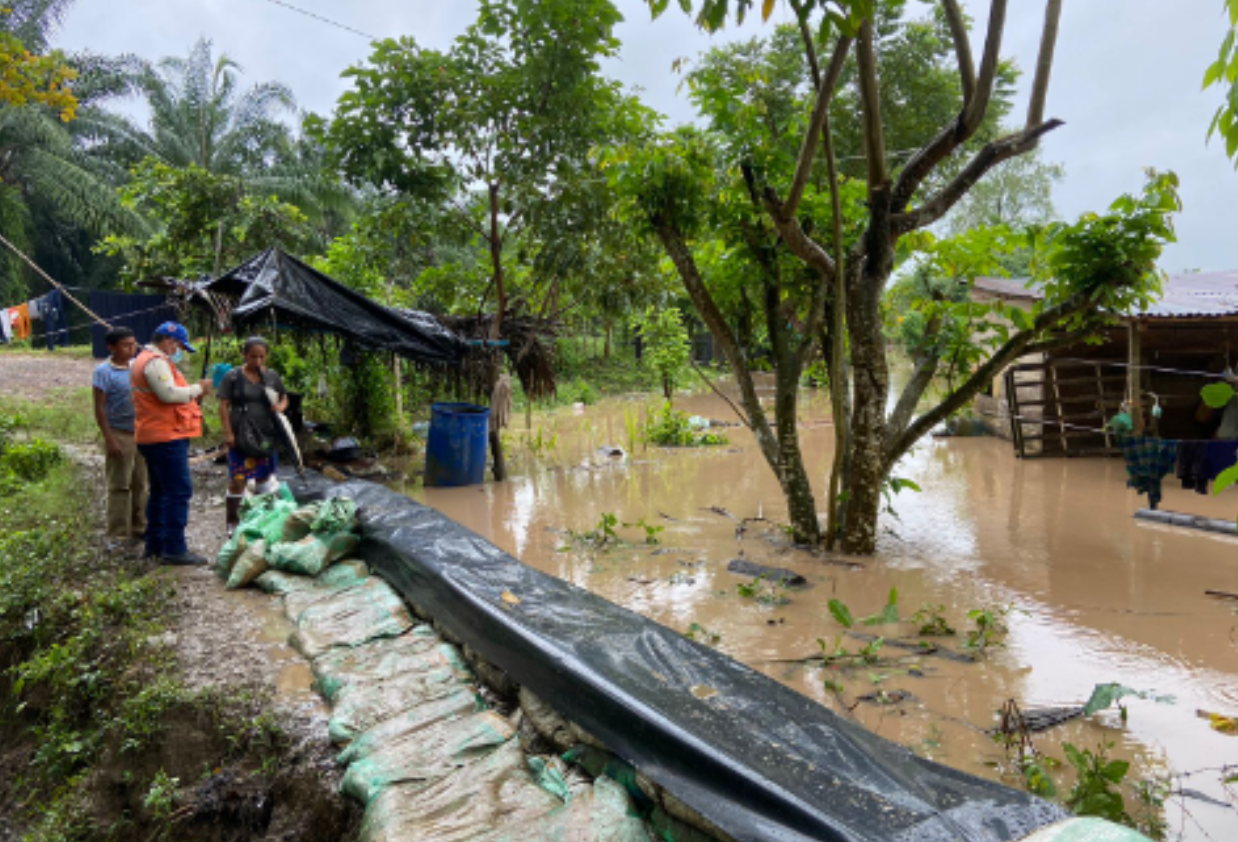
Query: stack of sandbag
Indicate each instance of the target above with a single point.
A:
(276, 534)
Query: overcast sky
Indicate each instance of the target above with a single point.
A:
(1126, 79)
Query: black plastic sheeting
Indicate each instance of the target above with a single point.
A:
(760, 761)
(274, 286)
(140, 313)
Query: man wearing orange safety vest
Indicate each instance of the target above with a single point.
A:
(167, 417)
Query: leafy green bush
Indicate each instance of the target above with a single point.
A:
(30, 462)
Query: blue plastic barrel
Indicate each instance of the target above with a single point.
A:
(456, 452)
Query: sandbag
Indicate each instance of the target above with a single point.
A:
(419, 651)
(350, 618)
(311, 555)
(603, 813)
(263, 517)
(229, 553)
(426, 754)
(299, 522)
(249, 565)
(339, 514)
(495, 793)
(327, 584)
(345, 574)
(417, 718)
(361, 708)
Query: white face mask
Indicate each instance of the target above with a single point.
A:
(178, 356)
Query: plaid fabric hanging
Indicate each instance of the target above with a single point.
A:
(1148, 460)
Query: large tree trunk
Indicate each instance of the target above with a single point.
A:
(801, 504)
(872, 381)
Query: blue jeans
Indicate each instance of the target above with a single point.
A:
(171, 487)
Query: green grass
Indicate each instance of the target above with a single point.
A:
(64, 415)
(23, 349)
(87, 678)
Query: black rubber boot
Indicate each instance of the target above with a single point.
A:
(232, 512)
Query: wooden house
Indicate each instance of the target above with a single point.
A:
(1058, 403)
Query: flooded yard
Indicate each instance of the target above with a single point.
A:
(1097, 596)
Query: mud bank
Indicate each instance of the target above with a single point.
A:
(212, 735)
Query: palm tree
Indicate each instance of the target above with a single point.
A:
(53, 185)
(200, 117)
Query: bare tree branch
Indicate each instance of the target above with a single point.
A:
(814, 69)
(962, 47)
(690, 274)
(820, 110)
(870, 99)
(792, 233)
(921, 379)
(978, 104)
(1044, 64)
(960, 130)
(1015, 347)
(739, 413)
(988, 157)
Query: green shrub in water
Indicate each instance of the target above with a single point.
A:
(668, 427)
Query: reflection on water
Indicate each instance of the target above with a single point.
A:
(1098, 596)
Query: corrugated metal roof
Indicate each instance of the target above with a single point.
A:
(1009, 287)
(1198, 295)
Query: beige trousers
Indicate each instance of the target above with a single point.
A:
(126, 489)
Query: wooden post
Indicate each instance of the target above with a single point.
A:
(1133, 358)
(397, 370)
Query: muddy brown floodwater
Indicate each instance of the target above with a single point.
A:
(1099, 597)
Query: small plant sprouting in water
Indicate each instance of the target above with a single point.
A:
(631, 423)
(930, 622)
(765, 591)
(836, 652)
(604, 533)
(990, 627)
(543, 442)
(1097, 786)
(651, 532)
(698, 632)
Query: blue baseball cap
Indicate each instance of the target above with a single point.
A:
(177, 331)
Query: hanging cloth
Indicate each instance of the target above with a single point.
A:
(1148, 460)
(1199, 462)
(55, 319)
(6, 326)
(19, 318)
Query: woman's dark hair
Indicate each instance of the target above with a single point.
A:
(253, 341)
(116, 335)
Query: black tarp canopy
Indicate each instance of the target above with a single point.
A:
(274, 287)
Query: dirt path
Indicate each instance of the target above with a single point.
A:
(33, 376)
(235, 642)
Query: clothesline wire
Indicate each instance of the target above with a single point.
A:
(1044, 422)
(1049, 422)
(1162, 369)
(33, 336)
(53, 282)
